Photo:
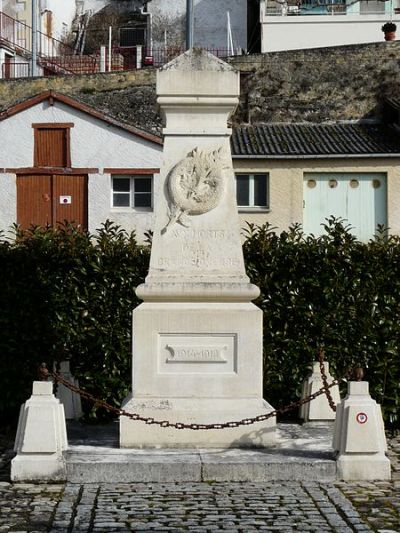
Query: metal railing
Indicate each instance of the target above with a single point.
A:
(15, 33)
(15, 70)
(322, 7)
(56, 57)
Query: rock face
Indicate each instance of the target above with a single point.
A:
(197, 355)
(317, 85)
(323, 84)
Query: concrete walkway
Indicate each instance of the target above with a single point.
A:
(285, 506)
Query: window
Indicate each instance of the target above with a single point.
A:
(132, 191)
(132, 37)
(252, 190)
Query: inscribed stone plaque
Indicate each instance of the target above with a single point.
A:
(187, 353)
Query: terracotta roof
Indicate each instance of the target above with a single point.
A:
(84, 108)
(314, 140)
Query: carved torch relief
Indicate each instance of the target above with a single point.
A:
(195, 185)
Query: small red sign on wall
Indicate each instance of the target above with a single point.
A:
(361, 418)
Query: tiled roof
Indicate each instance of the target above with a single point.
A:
(311, 140)
(393, 102)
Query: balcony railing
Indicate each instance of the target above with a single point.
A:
(324, 7)
(15, 70)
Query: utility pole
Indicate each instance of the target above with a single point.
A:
(34, 69)
(189, 24)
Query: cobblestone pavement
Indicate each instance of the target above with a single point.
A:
(201, 507)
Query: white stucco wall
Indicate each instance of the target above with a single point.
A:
(317, 31)
(22, 69)
(8, 202)
(63, 13)
(99, 194)
(210, 20)
(94, 144)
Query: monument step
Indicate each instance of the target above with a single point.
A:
(302, 453)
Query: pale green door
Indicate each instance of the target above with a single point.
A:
(358, 198)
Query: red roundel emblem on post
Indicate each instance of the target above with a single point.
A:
(361, 418)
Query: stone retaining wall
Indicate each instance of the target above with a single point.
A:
(323, 84)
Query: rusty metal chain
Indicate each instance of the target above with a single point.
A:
(181, 425)
(321, 357)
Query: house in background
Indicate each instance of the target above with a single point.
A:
(305, 173)
(167, 22)
(55, 17)
(299, 24)
(210, 24)
(63, 160)
(54, 21)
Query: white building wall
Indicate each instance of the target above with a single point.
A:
(210, 20)
(94, 144)
(63, 15)
(317, 31)
(99, 209)
(8, 205)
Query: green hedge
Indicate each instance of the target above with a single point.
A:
(69, 295)
(331, 291)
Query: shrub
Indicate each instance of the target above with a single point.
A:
(67, 294)
(331, 291)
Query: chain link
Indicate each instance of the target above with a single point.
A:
(222, 425)
(321, 357)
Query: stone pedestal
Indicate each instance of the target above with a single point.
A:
(197, 338)
(359, 437)
(41, 437)
(70, 400)
(318, 410)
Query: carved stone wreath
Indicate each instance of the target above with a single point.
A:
(195, 185)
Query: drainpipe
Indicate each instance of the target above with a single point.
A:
(189, 24)
(35, 70)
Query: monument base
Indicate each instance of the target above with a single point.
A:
(137, 434)
(363, 468)
(33, 467)
(197, 362)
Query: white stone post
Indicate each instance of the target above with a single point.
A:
(139, 56)
(41, 437)
(359, 437)
(318, 410)
(70, 400)
(102, 59)
(197, 338)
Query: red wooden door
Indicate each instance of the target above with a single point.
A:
(51, 146)
(7, 66)
(51, 199)
(70, 199)
(34, 200)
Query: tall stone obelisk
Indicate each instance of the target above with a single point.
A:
(197, 338)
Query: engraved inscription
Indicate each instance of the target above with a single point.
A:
(195, 354)
(207, 234)
(200, 260)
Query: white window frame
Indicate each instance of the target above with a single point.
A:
(252, 206)
(132, 179)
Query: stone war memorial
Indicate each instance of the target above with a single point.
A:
(197, 355)
(198, 339)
